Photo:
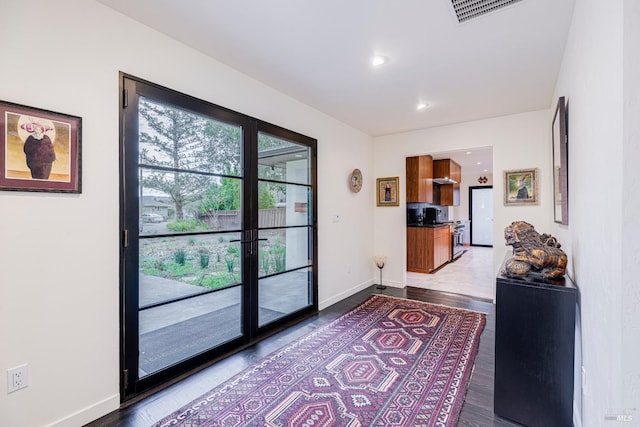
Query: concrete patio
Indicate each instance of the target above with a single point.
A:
(172, 332)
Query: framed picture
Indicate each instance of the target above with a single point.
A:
(560, 164)
(521, 187)
(39, 150)
(387, 191)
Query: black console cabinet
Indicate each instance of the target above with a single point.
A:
(535, 334)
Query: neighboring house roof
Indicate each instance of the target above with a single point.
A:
(158, 202)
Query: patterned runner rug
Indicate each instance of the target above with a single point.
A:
(388, 362)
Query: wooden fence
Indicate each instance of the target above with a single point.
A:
(229, 220)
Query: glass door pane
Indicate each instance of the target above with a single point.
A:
(190, 228)
(285, 255)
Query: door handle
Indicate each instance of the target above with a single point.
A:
(248, 238)
(242, 242)
(254, 238)
(255, 235)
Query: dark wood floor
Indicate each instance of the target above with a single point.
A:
(477, 409)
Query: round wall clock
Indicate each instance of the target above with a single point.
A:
(355, 182)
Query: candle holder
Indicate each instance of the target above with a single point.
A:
(380, 260)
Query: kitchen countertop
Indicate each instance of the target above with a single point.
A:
(428, 225)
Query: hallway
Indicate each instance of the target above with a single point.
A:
(476, 411)
(471, 274)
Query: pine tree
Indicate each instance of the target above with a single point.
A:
(175, 139)
(183, 142)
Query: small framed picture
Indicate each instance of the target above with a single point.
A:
(521, 187)
(387, 191)
(39, 150)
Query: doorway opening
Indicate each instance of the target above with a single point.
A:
(470, 273)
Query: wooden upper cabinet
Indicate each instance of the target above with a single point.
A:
(447, 194)
(447, 168)
(419, 179)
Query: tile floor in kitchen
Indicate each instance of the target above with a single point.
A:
(471, 274)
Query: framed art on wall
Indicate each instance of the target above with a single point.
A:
(560, 164)
(355, 181)
(521, 187)
(387, 191)
(39, 150)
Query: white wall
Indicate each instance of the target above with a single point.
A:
(631, 210)
(461, 212)
(519, 141)
(599, 80)
(59, 254)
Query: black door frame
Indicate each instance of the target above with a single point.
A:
(475, 187)
(130, 89)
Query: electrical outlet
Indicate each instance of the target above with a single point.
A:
(17, 378)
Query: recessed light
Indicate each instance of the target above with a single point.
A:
(479, 163)
(468, 152)
(378, 60)
(486, 170)
(422, 106)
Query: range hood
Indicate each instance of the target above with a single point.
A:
(444, 180)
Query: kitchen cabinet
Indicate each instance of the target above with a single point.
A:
(428, 248)
(419, 182)
(441, 246)
(447, 194)
(534, 350)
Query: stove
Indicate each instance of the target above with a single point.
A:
(457, 239)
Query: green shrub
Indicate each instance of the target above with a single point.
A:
(178, 271)
(186, 225)
(265, 262)
(153, 267)
(279, 254)
(180, 256)
(216, 280)
(159, 265)
(233, 250)
(230, 261)
(204, 260)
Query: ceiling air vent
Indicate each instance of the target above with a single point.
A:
(469, 9)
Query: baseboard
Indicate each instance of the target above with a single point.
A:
(394, 284)
(90, 413)
(344, 294)
(577, 416)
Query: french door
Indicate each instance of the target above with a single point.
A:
(219, 235)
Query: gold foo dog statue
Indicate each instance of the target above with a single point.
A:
(533, 252)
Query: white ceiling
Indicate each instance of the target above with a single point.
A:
(478, 161)
(319, 53)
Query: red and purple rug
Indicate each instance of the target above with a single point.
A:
(388, 362)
